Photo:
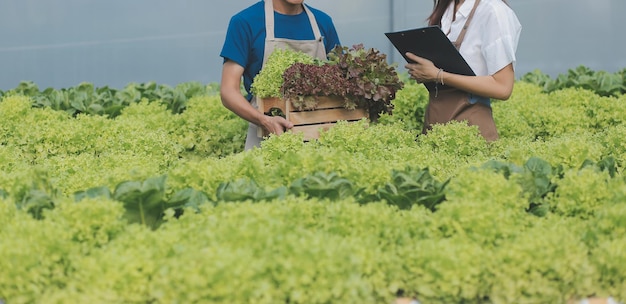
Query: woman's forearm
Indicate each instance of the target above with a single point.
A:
(497, 86)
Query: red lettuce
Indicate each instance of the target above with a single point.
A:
(362, 77)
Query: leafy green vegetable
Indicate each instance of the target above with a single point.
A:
(413, 187)
(324, 185)
(38, 196)
(535, 178)
(93, 193)
(362, 77)
(375, 82)
(87, 99)
(602, 83)
(269, 81)
(144, 201)
(303, 82)
(246, 189)
(188, 198)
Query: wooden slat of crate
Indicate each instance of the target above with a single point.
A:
(328, 111)
(273, 102)
(311, 122)
(325, 102)
(325, 116)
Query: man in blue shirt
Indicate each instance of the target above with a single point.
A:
(253, 34)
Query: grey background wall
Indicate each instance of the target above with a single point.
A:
(60, 43)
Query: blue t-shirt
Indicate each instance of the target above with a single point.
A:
(245, 38)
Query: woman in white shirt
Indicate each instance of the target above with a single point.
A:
(486, 33)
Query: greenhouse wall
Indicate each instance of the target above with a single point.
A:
(60, 43)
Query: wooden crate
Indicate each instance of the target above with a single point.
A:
(309, 122)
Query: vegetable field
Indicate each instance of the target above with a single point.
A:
(144, 195)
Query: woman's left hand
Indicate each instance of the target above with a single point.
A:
(422, 70)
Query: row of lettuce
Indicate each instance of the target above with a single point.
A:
(147, 201)
(89, 99)
(117, 210)
(85, 98)
(601, 82)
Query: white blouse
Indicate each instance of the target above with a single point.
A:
(491, 39)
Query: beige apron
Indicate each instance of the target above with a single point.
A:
(447, 104)
(314, 48)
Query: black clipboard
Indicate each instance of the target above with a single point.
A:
(431, 43)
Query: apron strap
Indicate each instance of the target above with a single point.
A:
(269, 21)
(459, 39)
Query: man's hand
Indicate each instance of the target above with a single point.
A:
(275, 124)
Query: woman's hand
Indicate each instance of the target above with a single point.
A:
(423, 70)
